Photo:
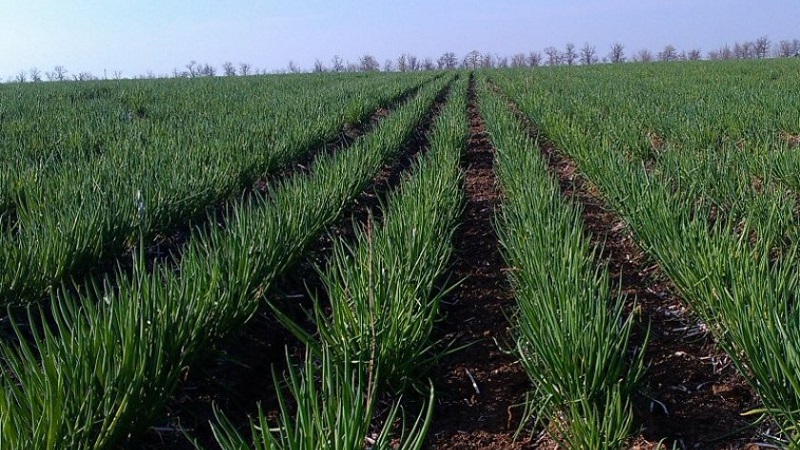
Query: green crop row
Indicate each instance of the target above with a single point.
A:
(711, 212)
(156, 170)
(384, 297)
(102, 372)
(572, 332)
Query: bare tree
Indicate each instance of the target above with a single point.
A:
(192, 69)
(472, 59)
(726, 52)
(743, 50)
(206, 70)
(412, 63)
(388, 65)
(762, 46)
(87, 76)
(750, 49)
(694, 55)
(337, 65)
(588, 54)
(293, 67)
(617, 54)
(35, 74)
(723, 53)
(117, 75)
(428, 64)
(669, 53)
(487, 61)
(448, 60)
(21, 77)
(553, 56)
(644, 55)
(739, 51)
(788, 48)
(368, 63)
(501, 61)
(402, 63)
(518, 60)
(59, 73)
(318, 66)
(783, 49)
(569, 54)
(534, 59)
(228, 69)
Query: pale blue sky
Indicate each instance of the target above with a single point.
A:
(137, 36)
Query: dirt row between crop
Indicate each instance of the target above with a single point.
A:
(691, 395)
(480, 389)
(240, 376)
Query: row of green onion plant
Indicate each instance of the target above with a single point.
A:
(384, 294)
(740, 272)
(75, 216)
(740, 275)
(331, 407)
(573, 335)
(102, 372)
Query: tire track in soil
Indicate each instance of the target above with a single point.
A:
(691, 395)
(475, 312)
(241, 374)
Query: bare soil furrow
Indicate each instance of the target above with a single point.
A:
(479, 389)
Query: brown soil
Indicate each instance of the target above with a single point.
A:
(792, 140)
(691, 396)
(480, 389)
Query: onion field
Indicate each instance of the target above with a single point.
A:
(588, 257)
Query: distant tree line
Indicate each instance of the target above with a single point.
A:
(550, 56)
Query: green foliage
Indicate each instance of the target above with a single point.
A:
(383, 301)
(73, 158)
(331, 407)
(572, 334)
(384, 295)
(697, 158)
(97, 377)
